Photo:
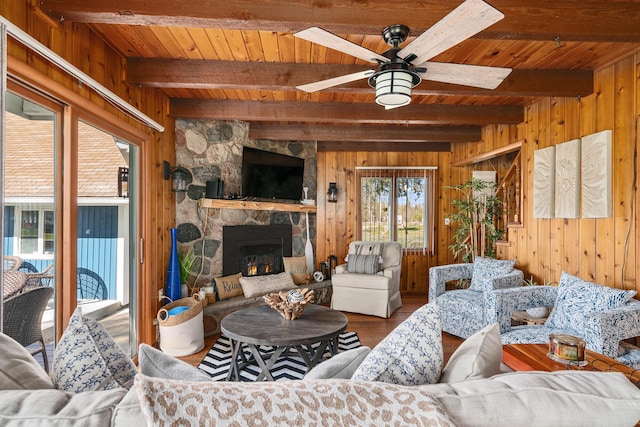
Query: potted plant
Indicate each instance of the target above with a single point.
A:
(475, 219)
(186, 260)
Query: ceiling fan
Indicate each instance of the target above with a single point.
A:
(401, 69)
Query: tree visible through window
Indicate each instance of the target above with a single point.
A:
(396, 205)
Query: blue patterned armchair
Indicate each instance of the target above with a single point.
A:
(464, 312)
(600, 315)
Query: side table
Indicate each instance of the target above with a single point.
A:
(533, 357)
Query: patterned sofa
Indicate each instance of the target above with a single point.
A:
(463, 312)
(600, 315)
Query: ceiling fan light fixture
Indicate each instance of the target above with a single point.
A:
(393, 87)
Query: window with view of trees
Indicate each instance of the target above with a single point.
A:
(396, 205)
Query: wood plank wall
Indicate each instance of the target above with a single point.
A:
(80, 46)
(336, 222)
(598, 250)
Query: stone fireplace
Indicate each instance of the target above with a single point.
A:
(255, 250)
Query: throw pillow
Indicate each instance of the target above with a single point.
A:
(18, 369)
(157, 364)
(410, 355)
(479, 356)
(342, 365)
(297, 266)
(13, 283)
(261, 285)
(228, 286)
(87, 358)
(300, 403)
(485, 269)
(363, 264)
(370, 249)
(577, 297)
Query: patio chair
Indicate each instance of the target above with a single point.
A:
(91, 285)
(22, 317)
(40, 278)
(11, 262)
(27, 267)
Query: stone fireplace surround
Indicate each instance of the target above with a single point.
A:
(212, 149)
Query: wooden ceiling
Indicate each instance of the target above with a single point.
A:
(238, 59)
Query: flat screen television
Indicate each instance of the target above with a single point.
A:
(267, 175)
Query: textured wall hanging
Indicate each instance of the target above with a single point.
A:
(567, 188)
(543, 182)
(596, 175)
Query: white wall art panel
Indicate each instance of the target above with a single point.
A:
(596, 175)
(567, 193)
(543, 182)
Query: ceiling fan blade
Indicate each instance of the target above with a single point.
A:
(324, 84)
(330, 40)
(465, 21)
(463, 74)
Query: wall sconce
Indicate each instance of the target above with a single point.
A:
(181, 177)
(333, 192)
(123, 182)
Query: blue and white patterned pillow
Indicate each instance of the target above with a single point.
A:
(87, 358)
(410, 355)
(484, 269)
(577, 297)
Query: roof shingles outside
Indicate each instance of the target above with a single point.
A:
(29, 159)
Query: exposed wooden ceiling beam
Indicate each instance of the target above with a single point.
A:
(370, 133)
(383, 146)
(322, 112)
(202, 74)
(587, 20)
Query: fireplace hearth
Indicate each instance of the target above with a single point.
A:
(255, 250)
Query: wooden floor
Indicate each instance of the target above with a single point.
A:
(370, 329)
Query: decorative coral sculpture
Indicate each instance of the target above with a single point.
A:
(290, 304)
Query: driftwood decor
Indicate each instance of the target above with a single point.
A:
(290, 304)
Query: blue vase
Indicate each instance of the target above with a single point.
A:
(172, 289)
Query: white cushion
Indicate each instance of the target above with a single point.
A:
(559, 399)
(301, 403)
(410, 355)
(157, 364)
(577, 297)
(87, 358)
(485, 269)
(479, 356)
(56, 408)
(361, 281)
(342, 365)
(261, 285)
(18, 369)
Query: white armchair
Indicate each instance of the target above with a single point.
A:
(375, 294)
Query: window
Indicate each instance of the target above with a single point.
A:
(396, 204)
(36, 232)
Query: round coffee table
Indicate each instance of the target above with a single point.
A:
(264, 326)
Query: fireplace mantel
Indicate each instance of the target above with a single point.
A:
(256, 206)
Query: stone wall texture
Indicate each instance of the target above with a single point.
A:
(212, 149)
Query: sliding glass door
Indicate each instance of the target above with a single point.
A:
(106, 244)
(33, 131)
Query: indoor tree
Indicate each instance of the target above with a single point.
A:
(475, 218)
